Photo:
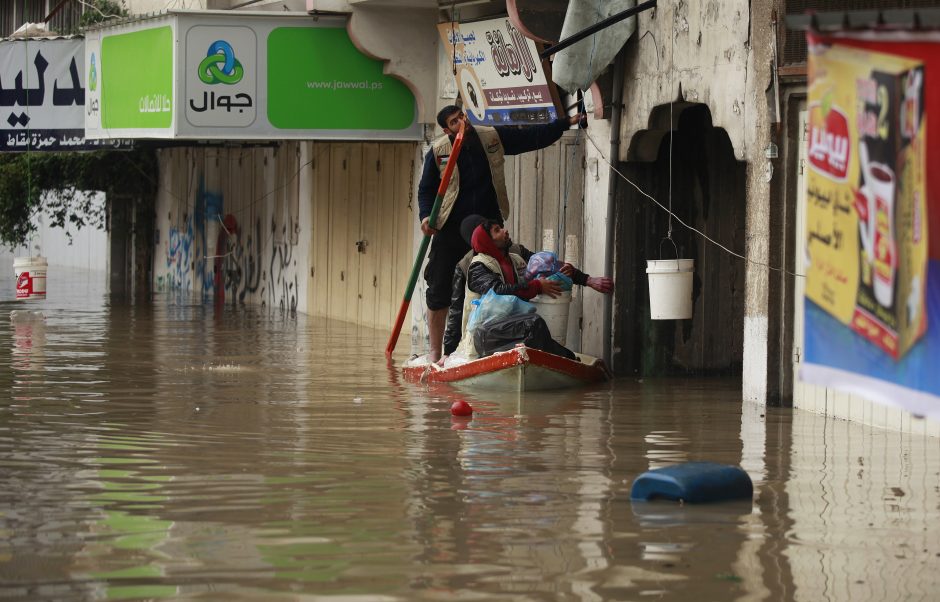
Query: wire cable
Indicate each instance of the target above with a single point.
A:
(672, 73)
(678, 219)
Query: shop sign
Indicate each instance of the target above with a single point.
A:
(42, 96)
(245, 77)
(498, 73)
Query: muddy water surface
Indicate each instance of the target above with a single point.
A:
(171, 450)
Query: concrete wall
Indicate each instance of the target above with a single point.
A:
(716, 53)
(228, 225)
(597, 181)
(84, 248)
(138, 7)
(148, 6)
(81, 259)
(323, 228)
(697, 52)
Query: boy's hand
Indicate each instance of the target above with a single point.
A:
(550, 287)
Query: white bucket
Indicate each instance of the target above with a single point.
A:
(555, 313)
(30, 275)
(670, 288)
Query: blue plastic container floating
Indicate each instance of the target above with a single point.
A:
(693, 483)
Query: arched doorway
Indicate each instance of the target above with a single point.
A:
(709, 194)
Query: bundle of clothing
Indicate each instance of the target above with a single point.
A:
(546, 264)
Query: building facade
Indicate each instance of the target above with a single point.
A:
(693, 151)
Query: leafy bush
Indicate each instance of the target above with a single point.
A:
(57, 184)
(97, 11)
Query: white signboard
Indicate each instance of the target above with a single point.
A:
(499, 74)
(211, 76)
(222, 76)
(42, 95)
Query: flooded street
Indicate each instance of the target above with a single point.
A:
(173, 450)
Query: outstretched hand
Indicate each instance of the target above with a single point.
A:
(567, 269)
(601, 284)
(576, 118)
(552, 288)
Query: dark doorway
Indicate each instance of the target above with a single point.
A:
(708, 193)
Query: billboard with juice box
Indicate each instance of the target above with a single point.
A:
(871, 280)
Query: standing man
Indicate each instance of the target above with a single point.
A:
(477, 186)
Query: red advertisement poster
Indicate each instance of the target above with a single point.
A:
(873, 217)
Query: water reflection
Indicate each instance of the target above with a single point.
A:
(170, 450)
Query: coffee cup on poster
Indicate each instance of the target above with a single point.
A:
(878, 235)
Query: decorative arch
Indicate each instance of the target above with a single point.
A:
(407, 43)
(707, 186)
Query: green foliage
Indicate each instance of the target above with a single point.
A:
(57, 184)
(97, 11)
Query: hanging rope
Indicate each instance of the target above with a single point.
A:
(29, 140)
(453, 37)
(678, 219)
(672, 73)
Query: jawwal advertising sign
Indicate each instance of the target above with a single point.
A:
(201, 76)
(873, 199)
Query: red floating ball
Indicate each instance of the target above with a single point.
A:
(461, 408)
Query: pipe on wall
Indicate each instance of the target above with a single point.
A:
(616, 99)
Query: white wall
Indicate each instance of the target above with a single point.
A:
(137, 7)
(87, 248)
(706, 52)
(596, 186)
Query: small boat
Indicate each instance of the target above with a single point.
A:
(518, 369)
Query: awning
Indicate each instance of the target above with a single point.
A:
(894, 18)
(579, 65)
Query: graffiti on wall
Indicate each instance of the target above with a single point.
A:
(227, 259)
(179, 258)
(282, 263)
(241, 265)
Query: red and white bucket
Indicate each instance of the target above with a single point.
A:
(30, 277)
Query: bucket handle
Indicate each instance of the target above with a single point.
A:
(674, 247)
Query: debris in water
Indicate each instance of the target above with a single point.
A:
(461, 408)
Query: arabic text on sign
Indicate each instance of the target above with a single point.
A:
(211, 102)
(155, 103)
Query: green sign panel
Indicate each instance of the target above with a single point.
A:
(137, 79)
(318, 80)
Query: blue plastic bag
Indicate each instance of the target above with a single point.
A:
(496, 307)
(563, 280)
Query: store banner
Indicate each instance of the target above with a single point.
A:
(192, 75)
(499, 74)
(873, 201)
(42, 96)
(137, 86)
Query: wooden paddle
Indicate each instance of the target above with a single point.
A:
(423, 249)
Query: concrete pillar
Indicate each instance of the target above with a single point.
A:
(141, 246)
(118, 226)
(756, 364)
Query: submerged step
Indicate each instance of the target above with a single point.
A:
(693, 483)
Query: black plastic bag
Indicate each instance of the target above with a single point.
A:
(528, 329)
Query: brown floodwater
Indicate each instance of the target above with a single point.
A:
(172, 450)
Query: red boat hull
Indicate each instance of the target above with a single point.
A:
(520, 368)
